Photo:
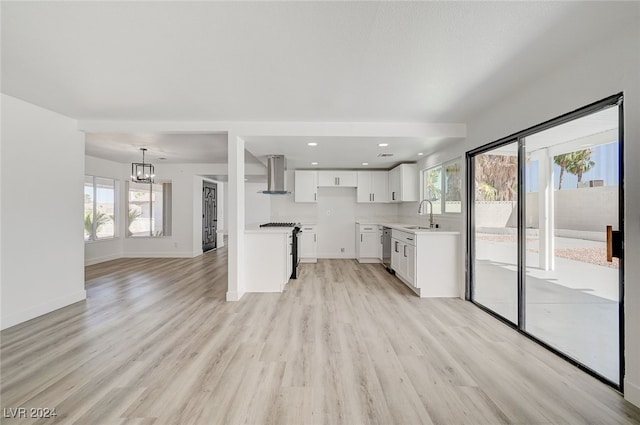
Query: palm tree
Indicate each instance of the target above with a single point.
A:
(101, 220)
(133, 215)
(577, 163)
(563, 161)
(496, 177)
(580, 163)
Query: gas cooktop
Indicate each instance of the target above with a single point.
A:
(278, 225)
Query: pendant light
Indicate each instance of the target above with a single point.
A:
(142, 172)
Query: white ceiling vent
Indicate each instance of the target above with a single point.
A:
(384, 155)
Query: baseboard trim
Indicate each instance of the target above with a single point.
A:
(234, 296)
(632, 392)
(41, 309)
(338, 256)
(369, 260)
(98, 260)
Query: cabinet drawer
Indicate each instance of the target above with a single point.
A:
(368, 228)
(408, 238)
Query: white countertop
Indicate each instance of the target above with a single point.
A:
(405, 228)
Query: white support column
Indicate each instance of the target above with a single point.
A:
(546, 210)
(235, 218)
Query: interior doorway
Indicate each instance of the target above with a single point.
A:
(209, 215)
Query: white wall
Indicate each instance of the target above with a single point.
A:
(42, 237)
(335, 213)
(185, 239)
(257, 206)
(606, 68)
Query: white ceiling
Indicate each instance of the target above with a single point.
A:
(174, 148)
(341, 152)
(286, 61)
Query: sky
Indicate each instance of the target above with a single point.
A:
(606, 168)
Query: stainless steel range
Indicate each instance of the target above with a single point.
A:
(295, 248)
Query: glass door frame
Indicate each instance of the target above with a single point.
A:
(519, 137)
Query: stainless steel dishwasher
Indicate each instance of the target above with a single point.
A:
(386, 247)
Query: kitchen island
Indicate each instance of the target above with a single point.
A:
(268, 258)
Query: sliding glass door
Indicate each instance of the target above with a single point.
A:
(545, 228)
(572, 195)
(495, 215)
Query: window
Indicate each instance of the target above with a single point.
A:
(433, 188)
(444, 182)
(149, 209)
(99, 208)
(453, 187)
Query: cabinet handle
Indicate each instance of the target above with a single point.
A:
(405, 251)
(393, 196)
(315, 196)
(395, 246)
(409, 239)
(314, 238)
(380, 239)
(338, 181)
(369, 197)
(360, 237)
(373, 197)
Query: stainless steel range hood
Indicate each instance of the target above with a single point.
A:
(275, 173)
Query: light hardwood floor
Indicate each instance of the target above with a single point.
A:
(155, 343)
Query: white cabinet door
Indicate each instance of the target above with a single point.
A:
(373, 186)
(394, 185)
(306, 186)
(347, 178)
(396, 247)
(379, 186)
(327, 178)
(337, 178)
(411, 264)
(403, 183)
(408, 182)
(369, 245)
(308, 244)
(364, 191)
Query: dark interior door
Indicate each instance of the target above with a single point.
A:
(209, 216)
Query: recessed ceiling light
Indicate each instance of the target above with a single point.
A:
(162, 158)
(383, 145)
(312, 144)
(420, 154)
(314, 163)
(365, 163)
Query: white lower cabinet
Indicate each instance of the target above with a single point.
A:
(308, 241)
(404, 251)
(367, 241)
(427, 262)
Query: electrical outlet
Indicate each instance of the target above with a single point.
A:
(341, 249)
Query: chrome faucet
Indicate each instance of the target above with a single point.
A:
(430, 211)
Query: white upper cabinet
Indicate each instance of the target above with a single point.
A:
(306, 186)
(373, 186)
(337, 178)
(403, 183)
